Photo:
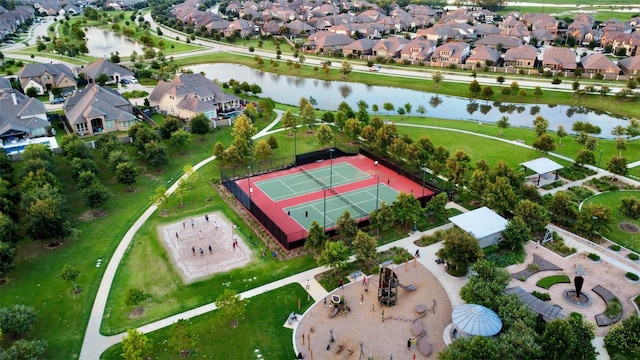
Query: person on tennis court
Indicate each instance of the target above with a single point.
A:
(306, 214)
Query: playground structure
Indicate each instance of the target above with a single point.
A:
(338, 305)
(388, 285)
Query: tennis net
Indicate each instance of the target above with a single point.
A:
(310, 175)
(363, 212)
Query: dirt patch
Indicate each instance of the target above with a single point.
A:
(628, 227)
(137, 312)
(90, 215)
(54, 245)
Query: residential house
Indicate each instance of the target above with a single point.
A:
(450, 53)
(243, 27)
(45, 77)
(360, 47)
(116, 73)
(486, 29)
(22, 117)
(630, 66)
(542, 21)
(299, 27)
(482, 56)
(438, 33)
(327, 42)
(543, 37)
(597, 63)
(557, 58)
(418, 49)
(98, 109)
(499, 42)
(188, 95)
(389, 47)
(521, 57)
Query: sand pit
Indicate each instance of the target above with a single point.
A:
(200, 248)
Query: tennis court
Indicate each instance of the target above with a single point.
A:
(360, 203)
(307, 181)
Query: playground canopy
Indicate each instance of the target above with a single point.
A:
(475, 319)
(483, 223)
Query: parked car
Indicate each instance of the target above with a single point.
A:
(133, 81)
(57, 100)
(124, 81)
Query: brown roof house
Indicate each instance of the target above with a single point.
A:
(188, 95)
(45, 77)
(418, 49)
(597, 63)
(98, 109)
(557, 58)
(483, 56)
(327, 42)
(363, 46)
(390, 47)
(630, 65)
(500, 42)
(116, 73)
(521, 57)
(450, 53)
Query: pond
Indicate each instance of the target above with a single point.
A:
(329, 94)
(103, 42)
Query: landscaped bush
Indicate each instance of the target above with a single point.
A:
(575, 172)
(615, 247)
(614, 308)
(558, 246)
(579, 193)
(533, 267)
(603, 185)
(594, 257)
(633, 256)
(426, 240)
(503, 258)
(553, 185)
(630, 207)
(134, 296)
(631, 276)
(542, 296)
(549, 281)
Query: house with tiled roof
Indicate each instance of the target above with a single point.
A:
(450, 53)
(438, 33)
(557, 58)
(299, 27)
(45, 77)
(327, 42)
(243, 27)
(521, 57)
(486, 29)
(188, 95)
(115, 72)
(501, 42)
(597, 63)
(482, 56)
(630, 65)
(418, 49)
(22, 117)
(389, 47)
(359, 47)
(98, 109)
(542, 21)
(543, 37)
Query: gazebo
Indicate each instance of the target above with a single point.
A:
(542, 166)
(472, 320)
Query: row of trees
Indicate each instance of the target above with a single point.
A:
(15, 322)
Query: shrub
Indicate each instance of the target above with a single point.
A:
(615, 247)
(542, 296)
(614, 308)
(426, 240)
(633, 256)
(631, 276)
(549, 281)
(134, 296)
(594, 257)
(533, 267)
(630, 207)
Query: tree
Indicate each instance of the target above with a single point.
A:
(308, 115)
(136, 345)
(263, 151)
(486, 283)
(382, 219)
(618, 165)
(289, 121)
(388, 107)
(621, 145)
(460, 249)
(346, 109)
(243, 129)
(22, 349)
(421, 110)
(437, 205)
(324, 135)
(345, 69)
(536, 215)
(537, 92)
(352, 129)
(515, 87)
(347, 227)
(46, 214)
(96, 194)
(231, 307)
(7, 254)
(540, 125)
(476, 347)
(439, 158)
(182, 338)
(273, 142)
(315, 238)
(143, 136)
(544, 143)
(561, 132)
(218, 150)
(364, 247)
(561, 209)
(200, 125)
(16, 319)
(475, 88)
(516, 234)
(437, 79)
(170, 125)
(593, 219)
(406, 209)
(334, 255)
(127, 174)
(159, 197)
(458, 164)
(585, 156)
(557, 341)
(478, 184)
(487, 92)
(499, 196)
(180, 139)
(101, 79)
(156, 154)
(503, 123)
(623, 338)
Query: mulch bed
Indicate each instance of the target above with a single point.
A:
(543, 265)
(628, 227)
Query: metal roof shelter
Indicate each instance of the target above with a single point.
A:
(542, 166)
(540, 307)
(475, 319)
(480, 222)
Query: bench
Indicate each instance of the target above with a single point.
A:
(417, 329)
(355, 275)
(425, 347)
(386, 263)
(602, 319)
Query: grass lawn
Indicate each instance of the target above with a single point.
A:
(260, 328)
(549, 281)
(612, 200)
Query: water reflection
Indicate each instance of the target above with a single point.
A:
(289, 90)
(102, 42)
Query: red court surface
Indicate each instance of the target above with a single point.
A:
(295, 232)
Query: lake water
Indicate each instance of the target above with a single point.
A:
(102, 42)
(328, 94)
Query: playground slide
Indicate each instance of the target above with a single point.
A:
(407, 288)
(334, 312)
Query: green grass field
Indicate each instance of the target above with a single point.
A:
(614, 233)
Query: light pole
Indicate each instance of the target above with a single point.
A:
(324, 210)
(250, 189)
(331, 168)
(295, 153)
(423, 175)
(377, 191)
(599, 160)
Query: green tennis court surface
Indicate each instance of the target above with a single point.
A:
(308, 181)
(352, 201)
